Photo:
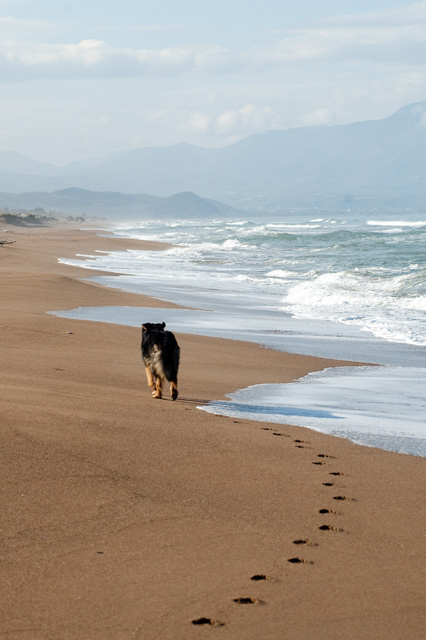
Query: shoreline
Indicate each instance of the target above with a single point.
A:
(341, 414)
(130, 518)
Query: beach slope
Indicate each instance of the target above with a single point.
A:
(125, 517)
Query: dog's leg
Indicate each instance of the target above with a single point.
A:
(173, 390)
(149, 376)
(158, 391)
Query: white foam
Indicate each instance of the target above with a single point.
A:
(397, 223)
(281, 273)
(389, 301)
(377, 406)
(374, 301)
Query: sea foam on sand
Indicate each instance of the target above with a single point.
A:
(375, 406)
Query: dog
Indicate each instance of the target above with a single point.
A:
(160, 355)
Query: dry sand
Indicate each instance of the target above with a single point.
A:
(125, 517)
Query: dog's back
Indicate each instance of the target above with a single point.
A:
(160, 354)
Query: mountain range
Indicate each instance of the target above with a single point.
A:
(82, 202)
(364, 164)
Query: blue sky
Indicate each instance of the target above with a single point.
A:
(89, 78)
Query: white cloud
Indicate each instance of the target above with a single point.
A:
(384, 44)
(394, 35)
(36, 55)
(153, 61)
(248, 118)
(413, 13)
(199, 123)
(231, 124)
(156, 28)
(316, 117)
(390, 37)
(95, 58)
(8, 23)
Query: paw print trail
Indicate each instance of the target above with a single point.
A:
(308, 543)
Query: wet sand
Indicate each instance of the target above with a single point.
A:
(125, 517)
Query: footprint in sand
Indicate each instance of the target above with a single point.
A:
(328, 484)
(328, 511)
(324, 455)
(299, 561)
(300, 444)
(247, 601)
(275, 433)
(344, 498)
(208, 621)
(305, 541)
(336, 473)
(259, 577)
(327, 527)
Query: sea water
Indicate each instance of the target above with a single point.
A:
(348, 287)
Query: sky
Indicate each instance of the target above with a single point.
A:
(85, 78)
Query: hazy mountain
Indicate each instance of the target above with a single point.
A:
(13, 162)
(373, 159)
(376, 161)
(83, 202)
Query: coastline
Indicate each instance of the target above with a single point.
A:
(130, 518)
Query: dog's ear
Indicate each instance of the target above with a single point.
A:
(163, 325)
(144, 327)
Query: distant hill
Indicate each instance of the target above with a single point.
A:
(82, 202)
(368, 163)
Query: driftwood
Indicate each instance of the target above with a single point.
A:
(2, 242)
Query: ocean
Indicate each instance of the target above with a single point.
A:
(348, 286)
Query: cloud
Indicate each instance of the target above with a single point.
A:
(407, 14)
(394, 35)
(94, 58)
(156, 28)
(36, 55)
(232, 123)
(8, 23)
(390, 37)
(317, 117)
(349, 43)
(199, 123)
(248, 118)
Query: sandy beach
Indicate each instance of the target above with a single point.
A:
(128, 518)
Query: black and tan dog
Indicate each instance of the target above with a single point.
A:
(160, 355)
